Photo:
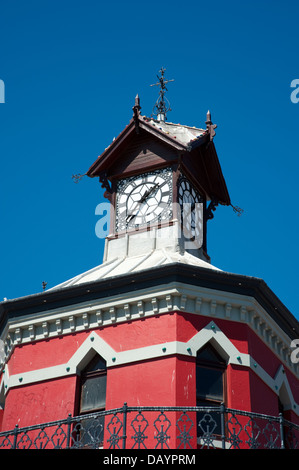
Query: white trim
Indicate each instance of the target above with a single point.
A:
(92, 344)
(212, 333)
(143, 303)
(39, 375)
(95, 344)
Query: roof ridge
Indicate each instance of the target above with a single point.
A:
(172, 123)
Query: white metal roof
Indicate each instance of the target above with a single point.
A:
(124, 265)
(184, 134)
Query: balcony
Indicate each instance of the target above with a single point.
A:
(158, 428)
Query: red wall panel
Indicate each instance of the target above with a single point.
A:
(140, 333)
(146, 383)
(45, 353)
(39, 403)
(238, 387)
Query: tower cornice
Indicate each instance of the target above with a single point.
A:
(148, 280)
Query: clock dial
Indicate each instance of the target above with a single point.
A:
(144, 199)
(191, 203)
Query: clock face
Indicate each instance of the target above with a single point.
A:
(191, 203)
(144, 199)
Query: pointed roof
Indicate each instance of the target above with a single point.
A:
(175, 135)
(185, 140)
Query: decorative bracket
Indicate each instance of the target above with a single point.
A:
(211, 208)
(106, 185)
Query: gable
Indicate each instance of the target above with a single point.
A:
(142, 152)
(128, 136)
(143, 145)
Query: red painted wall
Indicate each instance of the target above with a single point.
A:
(38, 403)
(263, 399)
(167, 381)
(140, 333)
(238, 387)
(142, 383)
(45, 353)
(293, 381)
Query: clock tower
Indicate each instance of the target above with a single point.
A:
(125, 347)
(164, 181)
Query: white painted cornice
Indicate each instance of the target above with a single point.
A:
(145, 303)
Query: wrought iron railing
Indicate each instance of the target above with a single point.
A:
(158, 428)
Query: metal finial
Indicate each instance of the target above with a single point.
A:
(44, 284)
(137, 102)
(162, 105)
(136, 112)
(210, 126)
(208, 121)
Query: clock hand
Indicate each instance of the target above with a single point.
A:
(141, 201)
(145, 197)
(132, 215)
(147, 193)
(138, 206)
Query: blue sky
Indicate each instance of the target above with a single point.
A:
(71, 71)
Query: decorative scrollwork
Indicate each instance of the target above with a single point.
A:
(202, 426)
(58, 438)
(42, 439)
(77, 177)
(211, 208)
(88, 433)
(105, 183)
(272, 435)
(6, 443)
(162, 105)
(253, 432)
(291, 437)
(95, 432)
(139, 424)
(184, 425)
(207, 426)
(25, 442)
(77, 435)
(162, 424)
(114, 427)
(234, 428)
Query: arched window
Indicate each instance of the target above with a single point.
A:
(93, 386)
(210, 385)
(89, 432)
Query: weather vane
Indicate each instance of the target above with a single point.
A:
(162, 105)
